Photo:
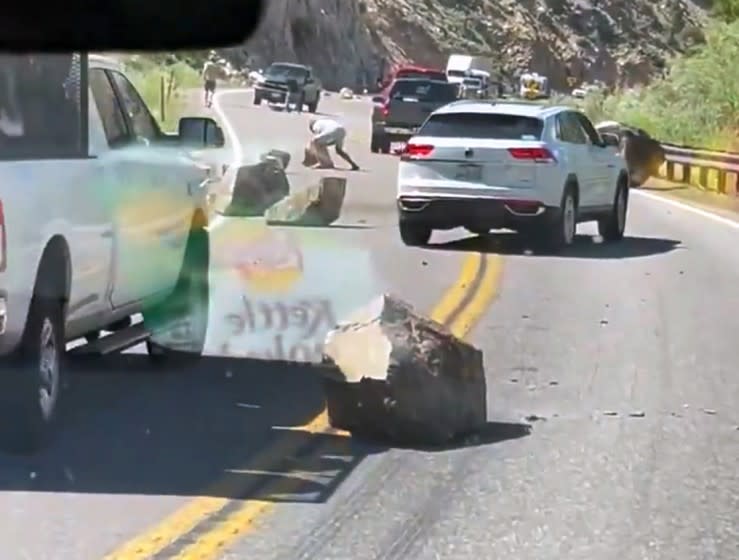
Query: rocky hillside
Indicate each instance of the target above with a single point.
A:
(620, 42)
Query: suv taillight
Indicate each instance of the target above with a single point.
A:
(416, 151)
(537, 155)
(3, 240)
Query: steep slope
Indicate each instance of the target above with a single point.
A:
(348, 42)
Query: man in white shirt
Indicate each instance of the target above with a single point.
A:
(328, 132)
(211, 72)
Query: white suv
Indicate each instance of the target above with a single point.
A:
(489, 165)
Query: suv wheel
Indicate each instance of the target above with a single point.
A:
(611, 228)
(414, 235)
(561, 231)
(257, 99)
(30, 398)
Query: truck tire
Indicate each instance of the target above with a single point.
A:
(32, 386)
(380, 144)
(186, 309)
(414, 235)
(257, 99)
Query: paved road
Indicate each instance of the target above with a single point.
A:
(622, 359)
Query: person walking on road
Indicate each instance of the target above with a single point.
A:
(326, 133)
(211, 72)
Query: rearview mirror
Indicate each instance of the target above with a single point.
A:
(610, 139)
(201, 132)
(378, 99)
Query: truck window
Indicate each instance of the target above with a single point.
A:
(114, 123)
(487, 126)
(422, 90)
(143, 124)
(40, 107)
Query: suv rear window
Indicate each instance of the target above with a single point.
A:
(428, 74)
(477, 125)
(424, 90)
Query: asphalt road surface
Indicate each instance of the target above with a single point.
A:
(612, 391)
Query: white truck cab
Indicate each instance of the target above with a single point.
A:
(102, 216)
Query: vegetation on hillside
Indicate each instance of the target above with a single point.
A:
(176, 73)
(696, 103)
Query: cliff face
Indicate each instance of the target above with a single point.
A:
(330, 35)
(621, 42)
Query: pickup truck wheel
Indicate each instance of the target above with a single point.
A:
(414, 235)
(611, 228)
(183, 316)
(31, 391)
(257, 99)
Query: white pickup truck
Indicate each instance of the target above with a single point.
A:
(99, 222)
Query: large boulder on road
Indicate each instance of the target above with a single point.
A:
(318, 205)
(643, 154)
(394, 375)
(279, 155)
(257, 187)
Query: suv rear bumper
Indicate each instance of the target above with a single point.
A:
(474, 213)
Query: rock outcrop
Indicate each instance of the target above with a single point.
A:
(350, 43)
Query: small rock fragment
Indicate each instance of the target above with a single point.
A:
(637, 414)
(535, 418)
(709, 411)
(610, 413)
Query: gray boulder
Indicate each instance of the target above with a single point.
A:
(257, 187)
(643, 154)
(279, 155)
(318, 205)
(394, 375)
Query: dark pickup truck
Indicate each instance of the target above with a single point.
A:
(409, 102)
(287, 83)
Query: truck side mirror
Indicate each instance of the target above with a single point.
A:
(202, 132)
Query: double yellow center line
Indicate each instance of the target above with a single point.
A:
(206, 526)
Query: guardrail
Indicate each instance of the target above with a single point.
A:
(714, 170)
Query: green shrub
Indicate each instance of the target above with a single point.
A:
(696, 103)
(147, 73)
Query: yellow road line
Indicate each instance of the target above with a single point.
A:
(212, 544)
(458, 291)
(485, 293)
(213, 498)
